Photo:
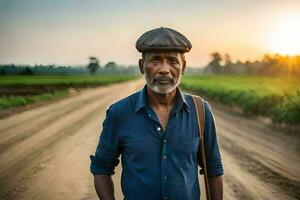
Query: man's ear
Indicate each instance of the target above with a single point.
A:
(141, 65)
(183, 66)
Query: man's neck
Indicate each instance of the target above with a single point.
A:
(157, 100)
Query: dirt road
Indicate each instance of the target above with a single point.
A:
(44, 152)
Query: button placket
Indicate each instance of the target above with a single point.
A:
(149, 114)
(164, 176)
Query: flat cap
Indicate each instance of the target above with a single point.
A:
(163, 39)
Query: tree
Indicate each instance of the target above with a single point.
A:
(214, 66)
(27, 71)
(93, 66)
(228, 67)
(111, 65)
(228, 59)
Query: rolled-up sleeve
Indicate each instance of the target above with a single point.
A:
(107, 153)
(213, 155)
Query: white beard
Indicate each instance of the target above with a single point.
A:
(162, 89)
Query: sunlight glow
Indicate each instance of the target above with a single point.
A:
(285, 36)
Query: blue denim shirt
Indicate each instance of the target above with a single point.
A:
(156, 164)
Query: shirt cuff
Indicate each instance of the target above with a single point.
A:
(215, 169)
(102, 166)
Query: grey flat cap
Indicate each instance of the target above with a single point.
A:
(163, 39)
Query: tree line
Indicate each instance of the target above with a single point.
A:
(269, 65)
(219, 64)
(93, 68)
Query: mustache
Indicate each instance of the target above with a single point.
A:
(163, 78)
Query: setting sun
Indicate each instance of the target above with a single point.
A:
(285, 36)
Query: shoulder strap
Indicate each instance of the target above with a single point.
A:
(199, 105)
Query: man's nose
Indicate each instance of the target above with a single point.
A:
(164, 68)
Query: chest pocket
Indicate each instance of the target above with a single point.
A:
(189, 145)
(141, 150)
(184, 152)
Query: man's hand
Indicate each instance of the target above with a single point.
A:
(104, 187)
(216, 187)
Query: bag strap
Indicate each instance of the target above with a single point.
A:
(199, 105)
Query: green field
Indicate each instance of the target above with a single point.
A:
(278, 98)
(17, 101)
(63, 80)
(60, 85)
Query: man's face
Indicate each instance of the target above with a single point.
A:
(162, 70)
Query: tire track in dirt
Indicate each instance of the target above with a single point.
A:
(257, 159)
(10, 135)
(278, 158)
(46, 141)
(256, 180)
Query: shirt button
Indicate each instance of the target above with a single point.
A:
(164, 157)
(165, 177)
(158, 128)
(165, 140)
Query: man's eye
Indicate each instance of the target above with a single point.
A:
(173, 62)
(154, 61)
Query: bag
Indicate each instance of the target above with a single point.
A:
(199, 105)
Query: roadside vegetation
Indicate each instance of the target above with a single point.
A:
(16, 101)
(274, 97)
(63, 80)
(22, 90)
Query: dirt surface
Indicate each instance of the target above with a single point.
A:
(44, 152)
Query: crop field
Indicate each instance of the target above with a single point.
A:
(275, 97)
(63, 80)
(19, 91)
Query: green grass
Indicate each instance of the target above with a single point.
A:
(63, 80)
(17, 101)
(278, 98)
(66, 81)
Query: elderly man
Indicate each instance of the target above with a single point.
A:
(156, 131)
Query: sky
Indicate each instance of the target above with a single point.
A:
(67, 32)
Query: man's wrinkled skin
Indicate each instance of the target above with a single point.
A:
(162, 71)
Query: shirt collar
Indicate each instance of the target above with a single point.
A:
(142, 100)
